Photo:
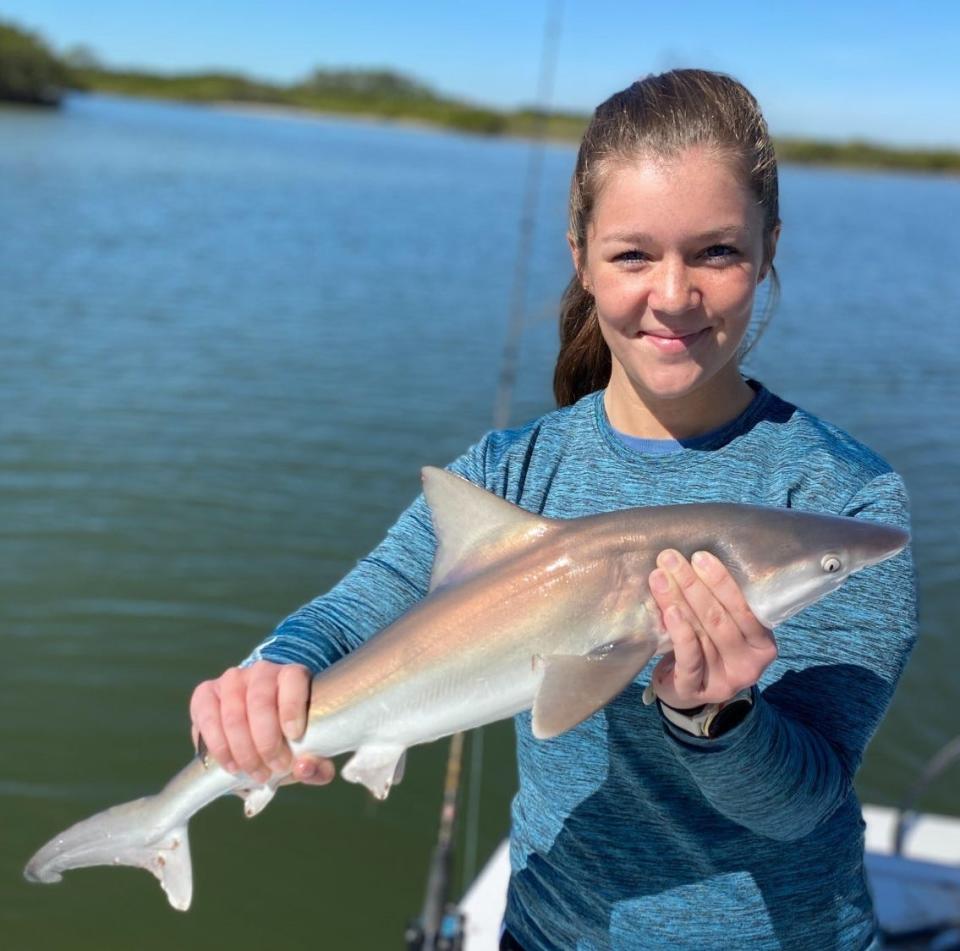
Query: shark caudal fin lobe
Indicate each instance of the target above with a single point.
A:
(575, 687)
(128, 834)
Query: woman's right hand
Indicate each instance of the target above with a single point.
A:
(247, 716)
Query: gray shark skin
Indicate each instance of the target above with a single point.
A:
(523, 612)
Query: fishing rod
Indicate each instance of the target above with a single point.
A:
(441, 924)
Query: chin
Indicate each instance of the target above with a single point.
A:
(668, 386)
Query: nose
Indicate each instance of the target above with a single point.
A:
(674, 290)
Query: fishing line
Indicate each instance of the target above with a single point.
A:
(511, 350)
(432, 931)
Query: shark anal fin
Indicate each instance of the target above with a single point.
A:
(378, 767)
(575, 687)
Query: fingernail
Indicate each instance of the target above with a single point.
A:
(702, 559)
(278, 766)
(232, 767)
(669, 559)
(261, 775)
(291, 729)
(307, 769)
(659, 581)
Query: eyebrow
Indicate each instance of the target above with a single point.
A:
(641, 237)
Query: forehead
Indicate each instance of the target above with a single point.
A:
(697, 191)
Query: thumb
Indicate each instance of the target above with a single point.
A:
(313, 770)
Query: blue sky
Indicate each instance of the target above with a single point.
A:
(886, 71)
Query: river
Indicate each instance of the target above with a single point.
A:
(230, 342)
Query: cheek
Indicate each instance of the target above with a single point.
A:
(731, 298)
(618, 302)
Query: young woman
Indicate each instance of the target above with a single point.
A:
(723, 814)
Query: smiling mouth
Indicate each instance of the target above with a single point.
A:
(673, 343)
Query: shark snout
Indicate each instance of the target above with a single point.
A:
(879, 542)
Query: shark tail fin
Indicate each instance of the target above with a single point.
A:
(128, 834)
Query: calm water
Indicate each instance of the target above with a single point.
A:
(230, 341)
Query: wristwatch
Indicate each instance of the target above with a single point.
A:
(709, 720)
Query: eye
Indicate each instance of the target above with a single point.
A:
(830, 564)
(720, 252)
(631, 257)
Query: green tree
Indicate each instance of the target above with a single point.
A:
(29, 71)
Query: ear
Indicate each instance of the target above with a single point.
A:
(577, 255)
(770, 252)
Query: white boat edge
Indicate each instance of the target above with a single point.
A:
(912, 891)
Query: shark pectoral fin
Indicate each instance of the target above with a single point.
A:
(376, 767)
(575, 687)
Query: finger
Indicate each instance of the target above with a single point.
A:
(663, 672)
(313, 770)
(292, 697)
(689, 664)
(205, 713)
(728, 594)
(263, 718)
(233, 714)
(711, 618)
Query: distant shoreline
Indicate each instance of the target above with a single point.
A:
(790, 151)
(31, 73)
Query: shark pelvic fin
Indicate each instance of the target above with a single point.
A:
(376, 767)
(474, 527)
(256, 798)
(575, 687)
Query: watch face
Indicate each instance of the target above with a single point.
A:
(731, 715)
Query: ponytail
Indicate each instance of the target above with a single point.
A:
(583, 364)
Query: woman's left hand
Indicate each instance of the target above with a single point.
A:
(719, 646)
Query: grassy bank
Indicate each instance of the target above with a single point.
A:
(382, 94)
(390, 95)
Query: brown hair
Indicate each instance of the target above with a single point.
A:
(659, 116)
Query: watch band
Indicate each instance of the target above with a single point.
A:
(709, 720)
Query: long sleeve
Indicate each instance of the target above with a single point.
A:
(790, 764)
(381, 587)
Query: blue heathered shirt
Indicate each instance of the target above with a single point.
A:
(626, 832)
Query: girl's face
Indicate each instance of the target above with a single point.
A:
(673, 257)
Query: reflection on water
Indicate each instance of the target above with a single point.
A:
(230, 343)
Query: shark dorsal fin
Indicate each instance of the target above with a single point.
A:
(474, 527)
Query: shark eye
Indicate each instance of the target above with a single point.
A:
(830, 563)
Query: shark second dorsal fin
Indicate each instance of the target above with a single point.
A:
(474, 527)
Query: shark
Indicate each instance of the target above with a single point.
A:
(523, 612)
